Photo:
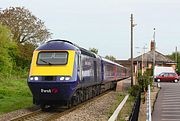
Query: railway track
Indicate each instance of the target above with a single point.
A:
(36, 115)
(39, 115)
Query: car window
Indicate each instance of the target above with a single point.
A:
(166, 74)
(172, 74)
(161, 74)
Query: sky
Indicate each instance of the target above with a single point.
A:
(105, 24)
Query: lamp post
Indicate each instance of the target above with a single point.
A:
(132, 68)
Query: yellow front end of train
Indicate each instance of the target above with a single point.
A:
(44, 64)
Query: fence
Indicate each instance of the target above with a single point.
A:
(135, 110)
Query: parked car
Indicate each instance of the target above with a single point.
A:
(167, 76)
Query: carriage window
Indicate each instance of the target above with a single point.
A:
(52, 58)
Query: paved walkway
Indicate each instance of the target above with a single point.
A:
(123, 85)
(167, 106)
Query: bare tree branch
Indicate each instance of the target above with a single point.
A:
(24, 26)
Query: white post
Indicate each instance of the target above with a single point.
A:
(149, 89)
(148, 112)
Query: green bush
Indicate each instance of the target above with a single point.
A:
(15, 58)
(134, 90)
(6, 64)
(144, 80)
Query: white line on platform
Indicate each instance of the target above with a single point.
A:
(169, 102)
(170, 105)
(173, 108)
(170, 111)
(170, 90)
(172, 95)
(168, 119)
(174, 115)
(171, 98)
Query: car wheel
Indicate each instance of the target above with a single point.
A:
(175, 80)
(158, 80)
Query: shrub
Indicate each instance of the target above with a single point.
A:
(134, 90)
(6, 43)
(144, 80)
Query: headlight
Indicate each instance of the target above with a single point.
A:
(61, 78)
(64, 78)
(67, 78)
(36, 78)
(31, 78)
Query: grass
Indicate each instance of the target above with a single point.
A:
(127, 108)
(119, 97)
(14, 94)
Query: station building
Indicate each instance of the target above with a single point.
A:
(145, 60)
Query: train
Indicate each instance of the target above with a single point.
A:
(63, 73)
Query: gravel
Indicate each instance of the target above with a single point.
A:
(13, 114)
(94, 111)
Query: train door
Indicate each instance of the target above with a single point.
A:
(95, 70)
(79, 68)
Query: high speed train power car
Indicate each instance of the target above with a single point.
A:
(63, 73)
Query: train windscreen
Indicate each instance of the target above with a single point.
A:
(52, 58)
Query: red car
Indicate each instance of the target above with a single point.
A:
(167, 76)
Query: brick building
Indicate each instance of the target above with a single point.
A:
(145, 61)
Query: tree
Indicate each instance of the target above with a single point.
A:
(173, 57)
(25, 52)
(94, 50)
(24, 26)
(6, 44)
(110, 57)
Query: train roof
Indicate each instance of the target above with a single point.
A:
(59, 44)
(111, 62)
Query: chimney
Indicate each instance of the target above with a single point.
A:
(152, 45)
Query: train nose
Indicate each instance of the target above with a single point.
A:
(44, 91)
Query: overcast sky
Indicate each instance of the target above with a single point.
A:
(105, 24)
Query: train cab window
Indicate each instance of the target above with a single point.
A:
(52, 58)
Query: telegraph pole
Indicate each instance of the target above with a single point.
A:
(132, 68)
(176, 54)
(154, 57)
(154, 45)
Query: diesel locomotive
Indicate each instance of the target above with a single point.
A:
(62, 73)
